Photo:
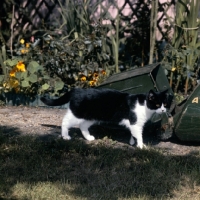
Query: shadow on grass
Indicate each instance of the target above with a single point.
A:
(115, 132)
(90, 170)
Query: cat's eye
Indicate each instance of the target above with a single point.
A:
(165, 105)
(157, 105)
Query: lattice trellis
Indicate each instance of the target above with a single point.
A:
(30, 15)
(135, 15)
(132, 9)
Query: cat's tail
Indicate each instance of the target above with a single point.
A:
(56, 102)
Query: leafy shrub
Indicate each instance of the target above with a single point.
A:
(57, 65)
(182, 53)
(81, 51)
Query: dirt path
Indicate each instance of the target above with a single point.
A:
(47, 121)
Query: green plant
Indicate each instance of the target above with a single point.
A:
(2, 59)
(81, 51)
(182, 54)
(58, 63)
(154, 11)
(53, 63)
(23, 73)
(81, 27)
(109, 31)
(5, 20)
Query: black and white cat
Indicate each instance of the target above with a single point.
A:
(89, 106)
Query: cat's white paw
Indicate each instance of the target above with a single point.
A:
(132, 141)
(90, 138)
(141, 146)
(66, 137)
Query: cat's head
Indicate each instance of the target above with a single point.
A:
(157, 101)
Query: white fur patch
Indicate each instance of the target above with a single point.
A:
(143, 114)
(70, 121)
(161, 109)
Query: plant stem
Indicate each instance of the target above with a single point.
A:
(171, 79)
(154, 10)
(117, 43)
(12, 23)
(186, 85)
(177, 84)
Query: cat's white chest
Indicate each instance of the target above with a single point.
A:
(142, 112)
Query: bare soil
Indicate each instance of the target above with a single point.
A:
(46, 122)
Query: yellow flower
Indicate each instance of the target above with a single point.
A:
(27, 45)
(95, 75)
(83, 78)
(14, 83)
(173, 69)
(92, 83)
(23, 51)
(5, 85)
(103, 72)
(12, 72)
(22, 41)
(21, 66)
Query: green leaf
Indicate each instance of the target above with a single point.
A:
(46, 77)
(1, 78)
(45, 86)
(12, 62)
(33, 67)
(25, 84)
(59, 85)
(3, 49)
(197, 45)
(18, 75)
(99, 56)
(24, 74)
(2, 64)
(33, 78)
(33, 64)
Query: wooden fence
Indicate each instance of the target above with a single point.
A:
(30, 15)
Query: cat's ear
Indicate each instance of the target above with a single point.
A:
(151, 95)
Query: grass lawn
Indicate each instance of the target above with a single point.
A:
(32, 168)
